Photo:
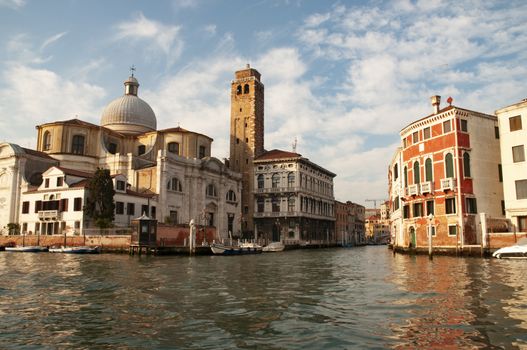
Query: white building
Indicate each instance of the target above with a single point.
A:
(513, 138)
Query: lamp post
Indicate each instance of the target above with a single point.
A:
(430, 218)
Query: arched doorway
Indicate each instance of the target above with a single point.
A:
(412, 237)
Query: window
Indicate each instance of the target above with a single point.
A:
(38, 206)
(426, 133)
(429, 207)
(25, 207)
(464, 125)
(518, 154)
(173, 147)
(260, 180)
(428, 169)
(447, 127)
(120, 185)
(275, 205)
(119, 208)
(418, 209)
(60, 181)
(291, 180)
(502, 207)
(173, 217)
(174, 185)
(202, 151)
(144, 210)
(471, 205)
(63, 206)
(395, 172)
(521, 189)
(500, 173)
(449, 165)
(153, 212)
(37, 227)
(291, 204)
(231, 196)
(496, 132)
(452, 230)
(522, 223)
(141, 149)
(406, 211)
(77, 204)
(112, 148)
(396, 203)
(246, 89)
(405, 177)
(260, 203)
(246, 209)
(450, 204)
(77, 144)
(238, 89)
(47, 141)
(466, 164)
(211, 191)
(46, 183)
(515, 123)
(130, 209)
(415, 137)
(417, 177)
(433, 229)
(404, 142)
(275, 180)
(77, 225)
(211, 219)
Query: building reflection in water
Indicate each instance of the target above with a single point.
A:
(460, 302)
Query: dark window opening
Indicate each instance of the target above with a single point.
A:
(141, 149)
(77, 144)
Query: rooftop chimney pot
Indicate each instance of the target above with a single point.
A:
(436, 101)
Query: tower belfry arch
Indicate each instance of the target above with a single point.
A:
(246, 135)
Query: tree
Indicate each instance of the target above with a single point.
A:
(100, 205)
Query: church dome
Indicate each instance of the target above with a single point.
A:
(129, 114)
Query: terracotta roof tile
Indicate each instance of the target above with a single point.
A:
(277, 154)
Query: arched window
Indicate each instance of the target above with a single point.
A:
(449, 165)
(275, 205)
(466, 164)
(47, 141)
(77, 144)
(291, 179)
(246, 89)
(405, 177)
(275, 180)
(417, 175)
(291, 204)
(428, 169)
(112, 147)
(260, 204)
(173, 147)
(238, 89)
(211, 191)
(174, 185)
(395, 172)
(231, 196)
(260, 180)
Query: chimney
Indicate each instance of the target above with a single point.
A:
(436, 100)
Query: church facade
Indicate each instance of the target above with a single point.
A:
(172, 167)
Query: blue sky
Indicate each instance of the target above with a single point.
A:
(343, 77)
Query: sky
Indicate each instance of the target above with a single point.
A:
(341, 77)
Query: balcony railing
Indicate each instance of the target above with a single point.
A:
(276, 214)
(427, 187)
(48, 214)
(412, 190)
(447, 184)
(277, 189)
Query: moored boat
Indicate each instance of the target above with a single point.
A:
(243, 248)
(517, 251)
(274, 247)
(76, 250)
(27, 249)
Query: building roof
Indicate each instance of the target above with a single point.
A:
(37, 153)
(76, 173)
(183, 131)
(277, 154)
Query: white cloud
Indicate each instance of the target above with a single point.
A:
(15, 4)
(157, 36)
(210, 29)
(185, 3)
(51, 40)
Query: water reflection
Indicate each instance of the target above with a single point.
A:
(335, 298)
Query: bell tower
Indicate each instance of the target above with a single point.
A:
(246, 136)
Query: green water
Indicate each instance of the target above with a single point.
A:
(304, 299)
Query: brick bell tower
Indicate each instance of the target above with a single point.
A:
(246, 136)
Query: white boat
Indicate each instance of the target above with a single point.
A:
(76, 250)
(274, 247)
(243, 248)
(27, 249)
(517, 251)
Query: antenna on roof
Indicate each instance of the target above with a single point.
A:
(132, 70)
(295, 142)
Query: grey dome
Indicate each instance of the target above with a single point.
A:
(129, 114)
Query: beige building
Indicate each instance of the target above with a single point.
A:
(172, 165)
(513, 167)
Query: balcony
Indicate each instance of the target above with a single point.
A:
(277, 189)
(427, 187)
(447, 184)
(276, 214)
(48, 215)
(412, 190)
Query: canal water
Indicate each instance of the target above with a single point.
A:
(306, 299)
